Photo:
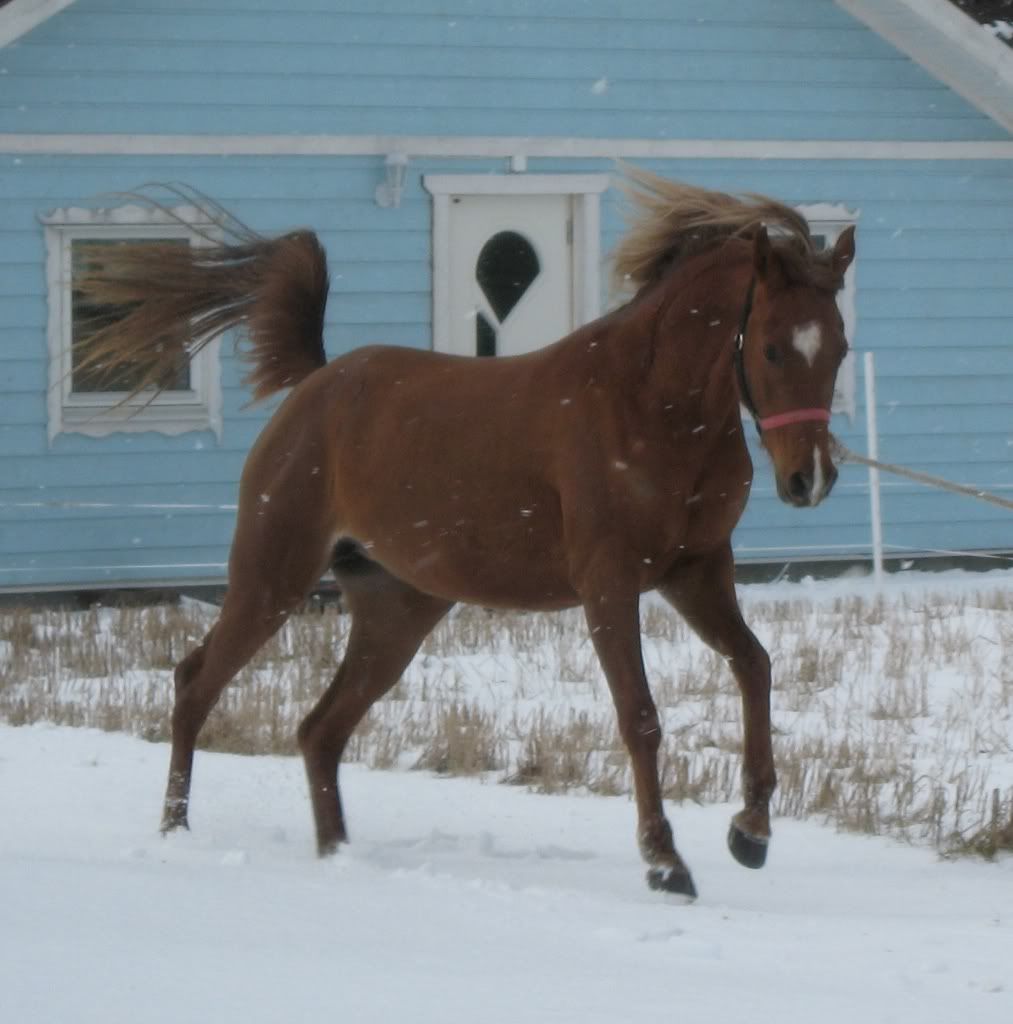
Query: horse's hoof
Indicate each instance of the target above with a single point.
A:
(329, 847)
(749, 851)
(677, 881)
(168, 827)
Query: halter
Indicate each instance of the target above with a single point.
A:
(782, 419)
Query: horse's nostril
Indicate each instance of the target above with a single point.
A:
(799, 486)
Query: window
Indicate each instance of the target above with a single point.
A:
(78, 401)
(507, 266)
(826, 223)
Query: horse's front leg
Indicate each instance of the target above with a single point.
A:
(703, 591)
(612, 608)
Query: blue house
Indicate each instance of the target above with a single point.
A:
(411, 135)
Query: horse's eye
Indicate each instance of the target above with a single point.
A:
(772, 354)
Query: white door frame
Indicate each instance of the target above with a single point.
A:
(585, 190)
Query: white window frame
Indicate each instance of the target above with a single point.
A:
(101, 413)
(830, 220)
(585, 192)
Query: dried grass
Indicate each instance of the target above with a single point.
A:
(892, 716)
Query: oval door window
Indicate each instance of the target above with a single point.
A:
(506, 268)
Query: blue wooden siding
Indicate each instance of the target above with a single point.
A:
(935, 237)
(723, 69)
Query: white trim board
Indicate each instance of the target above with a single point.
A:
(21, 16)
(516, 148)
(515, 184)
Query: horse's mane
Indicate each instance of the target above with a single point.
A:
(672, 222)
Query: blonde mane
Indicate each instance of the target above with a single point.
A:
(672, 221)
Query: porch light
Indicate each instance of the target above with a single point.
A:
(388, 192)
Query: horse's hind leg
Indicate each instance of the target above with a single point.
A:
(389, 622)
(703, 591)
(269, 576)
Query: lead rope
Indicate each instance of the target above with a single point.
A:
(844, 454)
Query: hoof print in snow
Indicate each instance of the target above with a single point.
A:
(677, 881)
(747, 850)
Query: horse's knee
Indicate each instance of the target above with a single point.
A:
(641, 730)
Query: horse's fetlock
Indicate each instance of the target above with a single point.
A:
(753, 822)
(758, 789)
(656, 842)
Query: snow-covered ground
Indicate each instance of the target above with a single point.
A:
(457, 901)
(892, 705)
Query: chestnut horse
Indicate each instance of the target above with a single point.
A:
(610, 463)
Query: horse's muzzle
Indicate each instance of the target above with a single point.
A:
(805, 489)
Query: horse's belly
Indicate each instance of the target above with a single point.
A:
(504, 565)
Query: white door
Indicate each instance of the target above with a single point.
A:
(511, 275)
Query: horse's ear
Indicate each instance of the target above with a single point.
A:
(844, 250)
(766, 262)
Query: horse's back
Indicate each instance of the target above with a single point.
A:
(390, 398)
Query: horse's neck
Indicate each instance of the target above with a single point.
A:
(686, 332)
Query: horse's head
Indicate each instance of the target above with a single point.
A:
(791, 347)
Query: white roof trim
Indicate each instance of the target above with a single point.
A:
(22, 16)
(950, 45)
(495, 146)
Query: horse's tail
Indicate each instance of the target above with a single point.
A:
(180, 297)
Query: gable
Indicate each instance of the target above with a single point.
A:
(948, 44)
(715, 69)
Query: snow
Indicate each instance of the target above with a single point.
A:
(1001, 29)
(456, 901)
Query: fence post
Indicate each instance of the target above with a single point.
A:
(872, 445)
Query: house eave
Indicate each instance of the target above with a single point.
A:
(950, 45)
(516, 148)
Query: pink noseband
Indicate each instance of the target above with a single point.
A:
(785, 419)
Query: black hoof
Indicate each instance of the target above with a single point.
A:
(749, 851)
(677, 881)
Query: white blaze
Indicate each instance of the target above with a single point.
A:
(807, 340)
(816, 494)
